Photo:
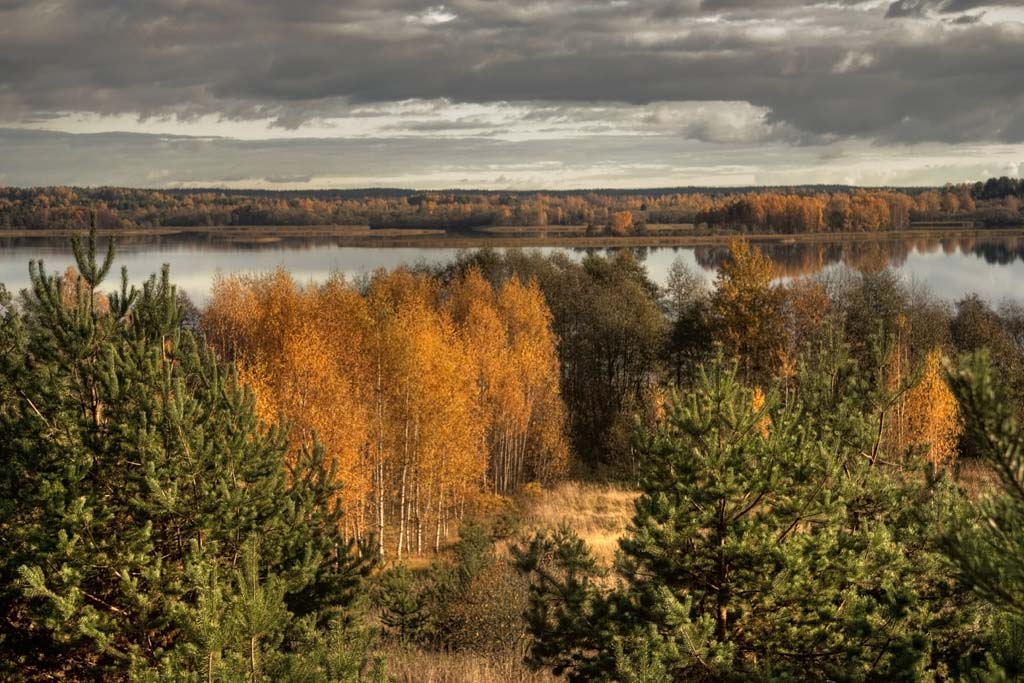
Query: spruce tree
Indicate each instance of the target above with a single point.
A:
(151, 525)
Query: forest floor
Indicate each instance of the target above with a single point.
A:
(668, 235)
(411, 665)
(600, 515)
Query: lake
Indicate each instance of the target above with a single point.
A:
(992, 267)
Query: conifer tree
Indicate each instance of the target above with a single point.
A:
(136, 482)
(984, 538)
(768, 544)
(987, 545)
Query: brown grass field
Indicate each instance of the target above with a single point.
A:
(598, 513)
(417, 666)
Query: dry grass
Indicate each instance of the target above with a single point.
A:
(977, 477)
(598, 513)
(533, 230)
(417, 666)
(670, 227)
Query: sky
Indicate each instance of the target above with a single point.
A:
(509, 94)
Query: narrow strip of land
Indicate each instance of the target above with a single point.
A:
(518, 236)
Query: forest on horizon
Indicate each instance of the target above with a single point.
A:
(803, 209)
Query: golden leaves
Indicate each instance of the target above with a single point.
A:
(517, 372)
(423, 397)
(746, 308)
(757, 401)
(621, 222)
(932, 414)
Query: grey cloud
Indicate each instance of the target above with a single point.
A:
(967, 19)
(276, 179)
(917, 8)
(909, 8)
(319, 58)
(966, 5)
(719, 5)
(462, 126)
(44, 158)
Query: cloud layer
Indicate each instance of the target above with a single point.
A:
(580, 75)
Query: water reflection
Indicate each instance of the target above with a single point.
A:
(796, 259)
(993, 267)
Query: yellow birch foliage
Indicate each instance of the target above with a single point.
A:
(423, 398)
(514, 361)
(932, 416)
(538, 423)
(292, 354)
(747, 310)
(74, 292)
(757, 401)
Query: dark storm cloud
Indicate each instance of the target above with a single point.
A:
(917, 8)
(965, 19)
(837, 68)
(720, 5)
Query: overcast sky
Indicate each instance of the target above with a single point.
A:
(509, 93)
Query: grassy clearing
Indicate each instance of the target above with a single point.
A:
(418, 666)
(977, 477)
(599, 513)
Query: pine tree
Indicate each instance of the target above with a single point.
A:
(135, 475)
(987, 544)
(768, 544)
(984, 538)
(403, 605)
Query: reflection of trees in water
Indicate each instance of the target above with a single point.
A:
(1001, 252)
(791, 260)
(794, 260)
(806, 258)
(639, 253)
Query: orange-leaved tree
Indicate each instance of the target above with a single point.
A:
(423, 396)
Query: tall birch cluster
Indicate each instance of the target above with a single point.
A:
(426, 395)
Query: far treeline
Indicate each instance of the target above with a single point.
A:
(995, 202)
(828, 475)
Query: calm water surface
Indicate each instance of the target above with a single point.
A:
(951, 268)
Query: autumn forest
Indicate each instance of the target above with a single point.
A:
(809, 209)
(514, 466)
(529, 341)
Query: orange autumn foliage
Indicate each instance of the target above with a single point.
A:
(932, 414)
(621, 223)
(746, 310)
(423, 397)
(516, 370)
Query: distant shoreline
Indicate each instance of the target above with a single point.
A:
(515, 236)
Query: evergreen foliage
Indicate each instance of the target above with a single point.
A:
(987, 544)
(152, 527)
(772, 541)
(473, 603)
